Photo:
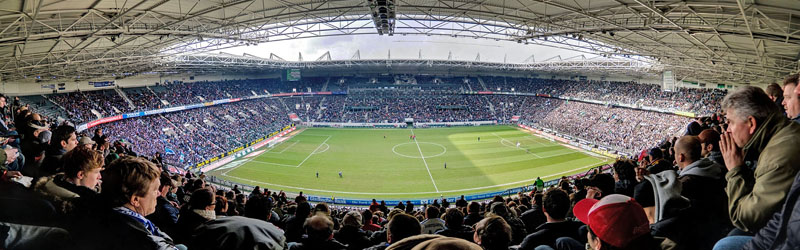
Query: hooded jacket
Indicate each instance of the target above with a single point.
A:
(754, 195)
(707, 220)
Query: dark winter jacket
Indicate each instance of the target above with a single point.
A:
(461, 232)
(782, 232)
(354, 237)
(547, 233)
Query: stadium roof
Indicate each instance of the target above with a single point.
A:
(724, 41)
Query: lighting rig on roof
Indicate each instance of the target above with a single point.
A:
(383, 15)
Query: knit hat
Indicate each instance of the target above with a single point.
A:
(616, 219)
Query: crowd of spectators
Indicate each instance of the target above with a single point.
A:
(697, 100)
(730, 182)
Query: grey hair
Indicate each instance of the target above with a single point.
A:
(749, 101)
(352, 218)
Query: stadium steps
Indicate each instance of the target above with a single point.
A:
(325, 86)
(125, 97)
(47, 107)
(482, 84)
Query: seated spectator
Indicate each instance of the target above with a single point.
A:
(454, 225)
(80, 179)
(351, 233)
(656, 160)
(518, 232)
(624, 177)
(608, 229)
(791, 100)
(130, 187)
(779, 233)
(400, 226)
(599, 186)
(433, 242)
(492, 233)
(706, 220)
(199, 210)
(555, 207)
(293, 224)
(166, 215)
(432, 223)
(473, 214)
(534, 216)
(63, 140)
(757, 133)
(366, 217)
(237, 232)
(709, 143)
(319, 235)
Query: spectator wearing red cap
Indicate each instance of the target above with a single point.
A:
(615, 222)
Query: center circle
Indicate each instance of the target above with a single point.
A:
(402, 149)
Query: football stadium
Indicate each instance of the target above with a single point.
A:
(399, 124)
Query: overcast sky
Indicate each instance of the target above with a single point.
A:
(377, 47)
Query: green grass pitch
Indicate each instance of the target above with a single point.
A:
(398, 167)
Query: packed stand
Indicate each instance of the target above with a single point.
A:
(730, 182)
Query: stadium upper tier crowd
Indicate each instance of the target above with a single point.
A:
(730, 182)
(90, 105)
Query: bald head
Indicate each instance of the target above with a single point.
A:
(687, 150)
(319, 227)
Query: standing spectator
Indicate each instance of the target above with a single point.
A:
(461, 202)
(556, 205)
(432, 223)
(539, 184)
(492, 233)
(757, 132)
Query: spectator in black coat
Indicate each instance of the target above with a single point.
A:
(351, 232)
(319, 235)
(199, 210)
(474, 214)
(556, 204)
(166, 214)
(294, 224)
(454, 225)
(534, 216)
(400, 226)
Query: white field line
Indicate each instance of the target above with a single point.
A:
(501, 142)
(437, 192)
(287, 147)
(312, 152)
(426, 162)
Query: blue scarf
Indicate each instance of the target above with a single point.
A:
(138, 217)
